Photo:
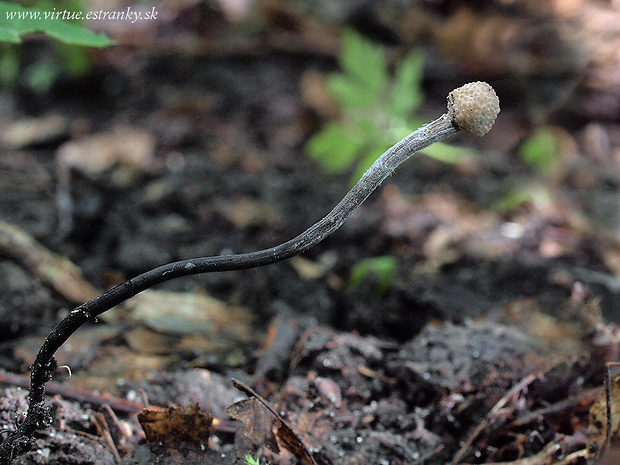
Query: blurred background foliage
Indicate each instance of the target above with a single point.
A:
(68, 54)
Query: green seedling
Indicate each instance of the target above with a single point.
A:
(383, 268)
(541, 150)
(251, 460)
(471, 109)
(70, 56)
(532, 193)
(377, 108)
(17, 21)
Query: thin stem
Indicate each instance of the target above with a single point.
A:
(45, 364)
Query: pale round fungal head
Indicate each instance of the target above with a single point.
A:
(473, 108)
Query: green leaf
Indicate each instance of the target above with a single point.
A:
(7, 35)
(540, 150)
(368, 131)
(348, 92)
(9, 64)
(372, 119)
(76, 60)
(363, 60)
(249, 460)
(40, 77)
(407, 95)
(384, 268)
(446, 153)
(16, 21)
(333, 148)
(536, 194)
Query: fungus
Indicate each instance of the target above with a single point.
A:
(473, 108)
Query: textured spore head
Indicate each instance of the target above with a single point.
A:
(474, 107)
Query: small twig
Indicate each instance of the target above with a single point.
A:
(511, 394)
(104, 431)
(79, 395)
(609, 378)
(575, 457)
(53, 269)
(472, 109)
(541, 458)
(608, 404)
(570, 404)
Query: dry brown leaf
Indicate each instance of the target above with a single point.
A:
(53, 269)
(237, 10)
(31, 131)
(189, 313)
(146, 341)
(93, 154)
(177, 426)
(257, 420)
(307, 269)
(246, 212)
(316, 94)
(597, 429)
(114, 363)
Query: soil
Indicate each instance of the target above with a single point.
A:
(489, 345)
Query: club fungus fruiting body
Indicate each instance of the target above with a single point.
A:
(473, 108)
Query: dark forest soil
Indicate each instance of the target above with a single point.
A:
(482, 301)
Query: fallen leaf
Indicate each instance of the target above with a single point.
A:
(236, 10)
(177, 425)
(597, 429)
(257, 422)
(260, 422)
(53, 269)
(189, 313)
(147, 341)
(246, 212)
(31, 131)
(93, 154)
(306, 269)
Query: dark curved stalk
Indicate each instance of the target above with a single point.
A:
(37, 416)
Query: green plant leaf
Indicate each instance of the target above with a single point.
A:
(372, 119)
(446, 153)
(40, 77)
(407, 95)
(76, 61)
(333, 148)
(383, 267)
(16, 21)
(364, 61)
(348, 92)
(541, 150)
(368, 131)
(535, 193)
(9, 64)
(250, 460)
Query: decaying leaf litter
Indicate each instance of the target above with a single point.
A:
(512, 379)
